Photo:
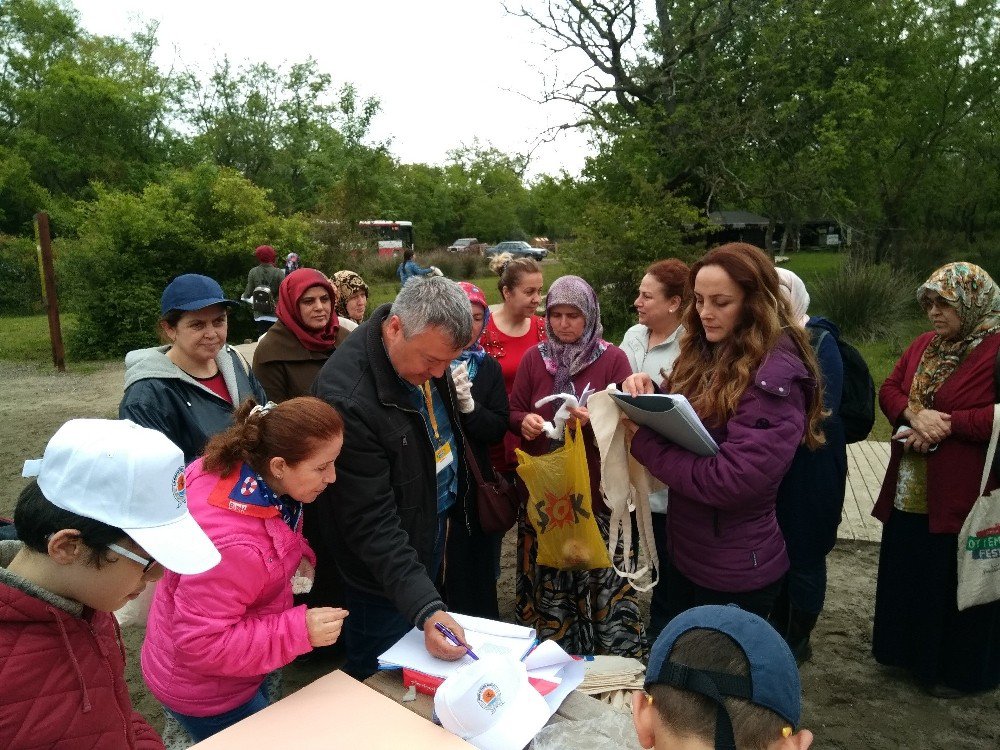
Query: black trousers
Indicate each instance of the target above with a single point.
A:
(681, 594)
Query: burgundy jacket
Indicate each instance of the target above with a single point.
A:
(955, 469)
(62, 673)
(722, 532)
(533, 382)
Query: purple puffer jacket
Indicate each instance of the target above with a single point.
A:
(722, 532)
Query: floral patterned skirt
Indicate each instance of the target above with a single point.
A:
(585, 611)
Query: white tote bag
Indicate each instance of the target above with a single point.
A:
(979, 540)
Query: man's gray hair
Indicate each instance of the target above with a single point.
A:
(434, 301)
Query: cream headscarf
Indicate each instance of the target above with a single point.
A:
(795, 293)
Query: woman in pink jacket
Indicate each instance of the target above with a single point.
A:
(213, 638)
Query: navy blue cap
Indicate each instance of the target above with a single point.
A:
(192, 291)
(774, 676)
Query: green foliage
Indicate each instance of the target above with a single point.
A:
(20, 196)
(868, 301)
(206, 220)
(79, 107)
(616, 242)
(20, 292)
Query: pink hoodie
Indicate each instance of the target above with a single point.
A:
(213, 637)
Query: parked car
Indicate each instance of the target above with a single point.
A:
(466, 245)
(518, 249)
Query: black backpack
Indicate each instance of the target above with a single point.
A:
(263, 300)
(857, 403)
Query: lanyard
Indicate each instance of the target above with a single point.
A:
(426, 388)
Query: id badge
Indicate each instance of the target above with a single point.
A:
(443, 457)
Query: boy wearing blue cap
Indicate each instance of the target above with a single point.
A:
(719, 677)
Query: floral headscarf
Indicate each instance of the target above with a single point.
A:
(473, 354)
(563, 361)
(976, 298)
(348, 284)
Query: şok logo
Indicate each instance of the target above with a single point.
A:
(560, 510)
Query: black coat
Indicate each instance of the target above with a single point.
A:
(161, 396)
(811, 497)
(379, 519)
(469, 576)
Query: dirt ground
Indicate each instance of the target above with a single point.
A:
(850, 702)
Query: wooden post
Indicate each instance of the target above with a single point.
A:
(51, 298)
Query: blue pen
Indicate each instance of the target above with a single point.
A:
(532, 647)
(446, 632)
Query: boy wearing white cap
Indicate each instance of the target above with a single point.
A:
(105, 516)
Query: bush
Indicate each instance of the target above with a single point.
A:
(868, 301)
(617, 242)
(21, 291)
(206, 220)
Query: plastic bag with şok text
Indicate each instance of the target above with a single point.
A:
(560, 509)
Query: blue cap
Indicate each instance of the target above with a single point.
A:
(192, 291)
(774, 676)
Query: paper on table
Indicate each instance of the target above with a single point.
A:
(483, 636)
(572, 675)
(670, 415)
(547, 654)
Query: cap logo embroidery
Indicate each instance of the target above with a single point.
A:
(489, 697)
(179, 487)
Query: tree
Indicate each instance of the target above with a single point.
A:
(205, 220)
(79, 107)
(814, 108)
(288, 131)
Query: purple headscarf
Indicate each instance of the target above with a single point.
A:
(563, 361)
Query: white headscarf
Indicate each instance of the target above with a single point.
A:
(795, 293)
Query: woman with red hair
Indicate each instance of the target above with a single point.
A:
(751, 375)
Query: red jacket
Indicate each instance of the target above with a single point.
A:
(62, 675)
(533, 382)
(955, 469)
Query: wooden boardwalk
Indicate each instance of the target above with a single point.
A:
(866, 462)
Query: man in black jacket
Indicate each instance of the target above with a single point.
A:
(400, 470)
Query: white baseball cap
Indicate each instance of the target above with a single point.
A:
(130, 477)
(490, 704)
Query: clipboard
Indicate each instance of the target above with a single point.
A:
(670, 415)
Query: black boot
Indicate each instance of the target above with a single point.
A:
(800, 627)
(781, 612)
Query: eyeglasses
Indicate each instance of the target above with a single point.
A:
(939, 302)
(144, 562)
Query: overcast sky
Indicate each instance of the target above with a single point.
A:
(445, 71)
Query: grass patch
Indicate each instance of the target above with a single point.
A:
(813, 265)
(25, 338)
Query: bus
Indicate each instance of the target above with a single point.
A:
(390, 237)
